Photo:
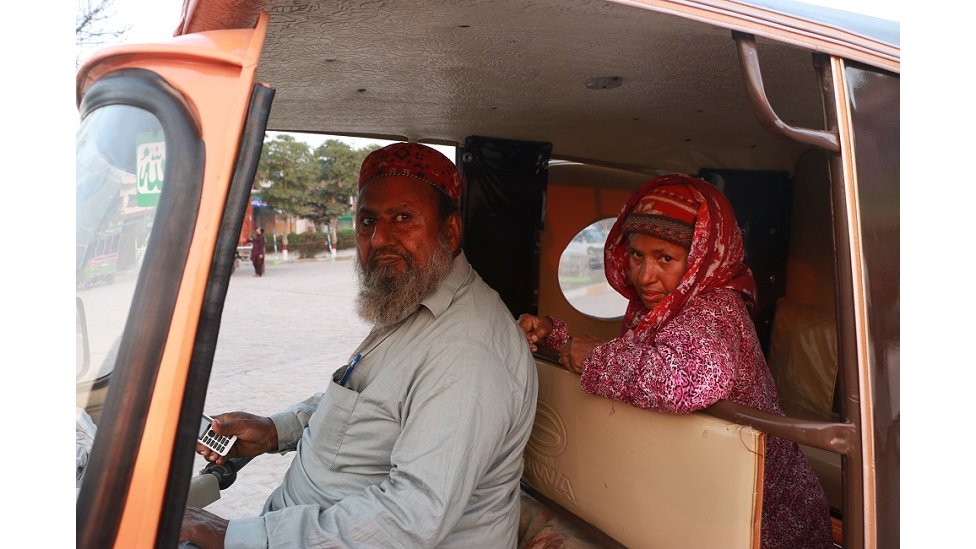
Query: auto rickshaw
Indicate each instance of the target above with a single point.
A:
(558, 111)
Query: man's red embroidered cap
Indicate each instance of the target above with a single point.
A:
(416, 161)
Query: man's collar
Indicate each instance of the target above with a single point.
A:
(442, 297)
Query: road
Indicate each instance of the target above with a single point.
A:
(281, 337)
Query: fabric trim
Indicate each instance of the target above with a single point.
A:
(663, 227)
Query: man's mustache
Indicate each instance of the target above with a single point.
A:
(389, 250)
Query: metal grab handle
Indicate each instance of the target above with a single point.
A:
(749, 62)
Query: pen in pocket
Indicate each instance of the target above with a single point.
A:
(349, 368)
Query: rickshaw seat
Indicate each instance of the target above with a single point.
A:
(643, 478)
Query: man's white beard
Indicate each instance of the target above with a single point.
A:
(386, 296)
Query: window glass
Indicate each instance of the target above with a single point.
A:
(120, 157)
(581, 276)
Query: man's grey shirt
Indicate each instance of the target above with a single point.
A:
(423, 447)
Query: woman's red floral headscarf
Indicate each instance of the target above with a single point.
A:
(715, 259)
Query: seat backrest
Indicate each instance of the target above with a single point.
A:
(646, 479)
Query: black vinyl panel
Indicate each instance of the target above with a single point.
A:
(502, 208)
(762, 203)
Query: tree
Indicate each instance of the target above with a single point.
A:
(338, 175)
(286, 175)
(319, 186)
(91, 22)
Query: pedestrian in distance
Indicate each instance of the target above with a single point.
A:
(257, 251)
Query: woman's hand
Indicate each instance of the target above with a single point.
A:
(574, 352)
(256, 435)
(535, 329)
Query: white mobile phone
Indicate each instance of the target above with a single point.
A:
(218, 443)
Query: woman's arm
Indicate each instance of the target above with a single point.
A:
(688, 365)
(557, 336)
(544, 330)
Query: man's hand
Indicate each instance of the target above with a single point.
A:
(574, 352)
(256, 435)
(535, 329)
(203, 528)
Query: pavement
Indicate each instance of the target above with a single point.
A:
(281, 337)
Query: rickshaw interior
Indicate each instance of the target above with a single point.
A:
(559, 110)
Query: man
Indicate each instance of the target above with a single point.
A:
(418, 440)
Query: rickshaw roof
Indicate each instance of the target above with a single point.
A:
(438, 71)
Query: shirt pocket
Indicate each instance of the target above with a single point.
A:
(330, 421)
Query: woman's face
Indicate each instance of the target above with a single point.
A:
(656, 267)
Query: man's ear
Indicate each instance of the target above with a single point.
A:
(453, 227)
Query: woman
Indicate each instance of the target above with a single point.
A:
(687, 338)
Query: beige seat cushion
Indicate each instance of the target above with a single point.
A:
(646, 479)
(803, 359)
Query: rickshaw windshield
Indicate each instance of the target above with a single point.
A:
(120, 157)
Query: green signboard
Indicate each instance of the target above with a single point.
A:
(150, 166)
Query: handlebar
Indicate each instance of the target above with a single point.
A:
(226, 472)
